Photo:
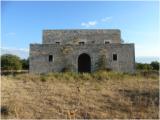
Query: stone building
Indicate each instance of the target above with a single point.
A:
(82, 50)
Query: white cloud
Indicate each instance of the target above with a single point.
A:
(21, 52)
(94, 23)
(89, 24)
(106, 19)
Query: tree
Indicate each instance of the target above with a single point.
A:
(10, 62)
(25, 64)
(139, 66)
(155, 65)
(147, 66)
(143, 66)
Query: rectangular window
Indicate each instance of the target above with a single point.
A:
(114, 57)
(81, 43)
(58, 43)
(106, 42)
(50, 58)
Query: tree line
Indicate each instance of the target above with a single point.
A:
(13, 62)
(154, 65)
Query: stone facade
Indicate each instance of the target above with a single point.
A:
(82, 51)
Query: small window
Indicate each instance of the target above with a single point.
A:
(114, 57)
(50, 58)
(81, 43)
(107, 41)
(58, 43)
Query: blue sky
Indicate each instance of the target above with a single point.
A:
(23, 22)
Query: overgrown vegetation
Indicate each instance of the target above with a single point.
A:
(155, 65)
(10, 62)
(99, 95)
(144, 66)
(13, 62)
(25, 64)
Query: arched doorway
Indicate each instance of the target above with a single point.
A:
(84, 63)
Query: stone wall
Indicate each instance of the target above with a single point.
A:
(67, 56)
(96, 36)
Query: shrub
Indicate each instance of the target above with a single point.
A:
(25, 64)
(100, 75)
(155, 65)
(143, 66)
(10, 62)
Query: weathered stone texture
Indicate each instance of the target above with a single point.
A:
(67, 53)
(74, 36)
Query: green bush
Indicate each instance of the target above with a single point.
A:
(155, 65)
(10, 62)
(25, 64)
(143, 66)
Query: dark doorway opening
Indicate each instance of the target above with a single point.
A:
(84, 63)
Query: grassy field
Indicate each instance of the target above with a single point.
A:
(70, 95)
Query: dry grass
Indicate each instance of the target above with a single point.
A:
(70, 95)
